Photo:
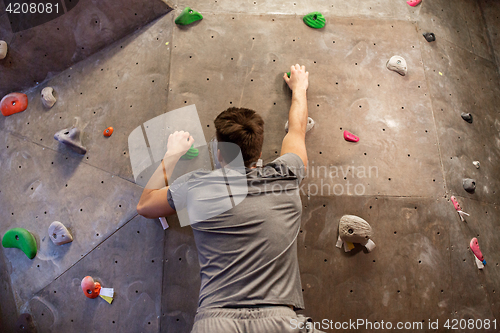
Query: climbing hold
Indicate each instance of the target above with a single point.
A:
(190, 154)
(429, 36)
(315, 20)
(25, 324)
(48, 98)
(59, 234)
(397, 64)
(350, 137)
(90, 288)
(310, 124)
(469, 185)
(353, 229)
(476, 164)
(71, 138)
(188, 16)
(458, 208)
(288, 74)
(22, 239)
(3, 49)
(455, 203)
(13, 103)
(467, 117)
(474, 246)
(108, 131)
(413, 3)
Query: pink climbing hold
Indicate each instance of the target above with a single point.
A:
(458, 208)
(474, 246)
(455, 203)
(350, 137)
(413, 3)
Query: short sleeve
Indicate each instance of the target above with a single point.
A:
(177, 192)
(170, 199)
(293, 163)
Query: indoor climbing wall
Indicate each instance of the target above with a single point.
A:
(414, 152)
(93, 195)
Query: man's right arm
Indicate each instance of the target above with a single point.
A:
(294, 141)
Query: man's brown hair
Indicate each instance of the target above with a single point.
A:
(243, 127)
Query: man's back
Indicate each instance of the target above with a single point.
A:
(248, 254)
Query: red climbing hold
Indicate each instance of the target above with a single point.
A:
(474, 246)
(13, 103)
(108, 131)
(413, 3)
(90, 288)
(350, 137)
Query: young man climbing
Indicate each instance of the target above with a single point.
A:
(250, 279)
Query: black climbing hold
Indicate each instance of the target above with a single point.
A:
(467, 117)
(469, 185)
(429, 36)
(25, 323)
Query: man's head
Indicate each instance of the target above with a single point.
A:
(243, 127)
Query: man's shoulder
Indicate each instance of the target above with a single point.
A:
(286, 165)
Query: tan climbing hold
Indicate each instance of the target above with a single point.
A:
(354, 229)
(3, 49)
(59, 234)
(48, 98)
(398, 65)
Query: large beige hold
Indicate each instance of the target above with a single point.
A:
(59, 234)
(354, 229)
(3, 49)
(48, 98)
(398, 65)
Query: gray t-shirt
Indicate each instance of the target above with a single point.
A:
(248, 254)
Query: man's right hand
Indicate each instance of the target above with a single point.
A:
(299, 78)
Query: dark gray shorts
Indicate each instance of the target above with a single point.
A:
(275, 319)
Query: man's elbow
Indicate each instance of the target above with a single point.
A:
(141, 210)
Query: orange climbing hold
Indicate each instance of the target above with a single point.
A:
(13, 103)
(90, 288)
(108, 131)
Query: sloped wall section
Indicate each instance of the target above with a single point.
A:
(39, 49)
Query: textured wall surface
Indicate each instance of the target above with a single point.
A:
(412, 139)
(38, 53)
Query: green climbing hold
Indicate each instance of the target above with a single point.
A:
(288, 74)
(190, 154)
(188, 16)
(22, 239)
(315, 20)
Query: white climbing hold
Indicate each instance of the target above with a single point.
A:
(398, 65)
(310, 124)
(59, 234)
(3, 49)
(48, 98)
(476, 164)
